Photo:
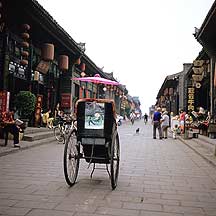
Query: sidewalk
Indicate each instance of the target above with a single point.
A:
(43, 138)
(204, 146)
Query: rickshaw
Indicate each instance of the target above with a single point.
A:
(94, 140)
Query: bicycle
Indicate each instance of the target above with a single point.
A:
(62, 129)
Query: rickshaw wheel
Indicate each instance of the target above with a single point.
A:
(114, 160)
(71, 158)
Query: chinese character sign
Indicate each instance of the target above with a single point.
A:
(4, 101)
(190, 99)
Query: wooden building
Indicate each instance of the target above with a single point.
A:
(38, 55)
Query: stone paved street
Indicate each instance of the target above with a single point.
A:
(156, 178)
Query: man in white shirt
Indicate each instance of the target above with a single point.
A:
(165, 124)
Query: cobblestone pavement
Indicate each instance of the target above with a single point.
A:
(157, 177)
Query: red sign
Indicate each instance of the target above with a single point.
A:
(4, 101)
(66, 100)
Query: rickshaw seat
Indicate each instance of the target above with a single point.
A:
(109, 120)
(96, 141)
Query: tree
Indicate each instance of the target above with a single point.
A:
(25, 104)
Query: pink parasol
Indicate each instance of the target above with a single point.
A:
(97, 79)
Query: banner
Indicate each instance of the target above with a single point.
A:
(66, 100)
(4, 101)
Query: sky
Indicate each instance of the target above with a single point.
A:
(140, 41)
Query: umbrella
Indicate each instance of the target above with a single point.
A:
(97, 79)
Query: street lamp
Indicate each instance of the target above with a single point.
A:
(82, 46)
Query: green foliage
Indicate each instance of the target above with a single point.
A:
(25, 104)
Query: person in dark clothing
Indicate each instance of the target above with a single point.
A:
(10, 126)
(157, 123)
(145, 118)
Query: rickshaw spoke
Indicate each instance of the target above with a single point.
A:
(71, 159)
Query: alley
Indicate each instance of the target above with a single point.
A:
(157, 177)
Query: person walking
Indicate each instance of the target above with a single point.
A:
(132, 117)
(165, 124)
(157, 123)
(145, 118)
(182, 120)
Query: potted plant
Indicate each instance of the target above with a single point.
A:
(25, 104)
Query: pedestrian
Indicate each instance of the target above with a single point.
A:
(57, 111)
(47, 119)
(182, 120)
(165, 124)
(11, 126)
(175, 131)
(132, 117)
(145, 118)
(157, 123)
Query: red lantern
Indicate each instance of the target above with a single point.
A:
(63, 62)
(25, 35)
(24, 62)
(25, 44)
(26, 27)
(25, 53)
(48, 52)
(82, 67)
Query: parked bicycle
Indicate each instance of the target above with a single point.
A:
(62, 129)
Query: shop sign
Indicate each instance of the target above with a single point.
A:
(65, 100)
(190, 99)
(4, 101)
(43, 67)
(17, 70)
(198, 63)
(198, 70)
(197, 78)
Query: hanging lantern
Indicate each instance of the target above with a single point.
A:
(63, 62)
(48, 52)
(25, 44)
(24, 62)
(82, 67)
(82, 74)
(26, 27)
(25, 35)
(78, 61)
(25, 53)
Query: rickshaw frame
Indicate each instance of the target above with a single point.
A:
(98, 145)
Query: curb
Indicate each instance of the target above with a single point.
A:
(26, 146)
(207, 158)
